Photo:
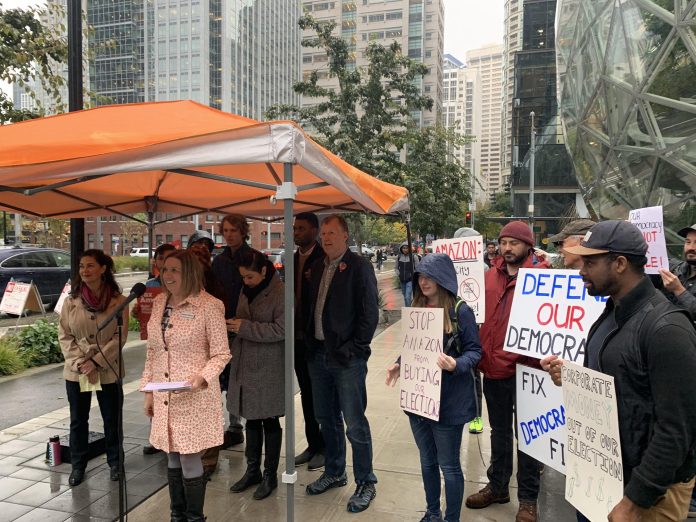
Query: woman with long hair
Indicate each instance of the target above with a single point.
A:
(439, 442)
(92, 358)
(257, 378)
(187, 342)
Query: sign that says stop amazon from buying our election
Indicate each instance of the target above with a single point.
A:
(551, 314)
(650, 222)
(467, 255)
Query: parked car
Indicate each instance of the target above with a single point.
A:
(277, 258)
(48, 268)
(139, 252)
(367, 253)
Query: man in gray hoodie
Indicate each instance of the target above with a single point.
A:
(406, 265)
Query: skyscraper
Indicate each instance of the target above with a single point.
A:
(512, 43)
(417, 25)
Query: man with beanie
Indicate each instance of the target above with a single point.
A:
(516, 243)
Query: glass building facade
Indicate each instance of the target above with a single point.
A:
(627, 90)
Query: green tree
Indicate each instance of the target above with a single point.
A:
(383, 230)
(29, 52)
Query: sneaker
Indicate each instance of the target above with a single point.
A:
(325, 483)
(527, 512)
(430, 517)
(232, 438)
(476, 425)
(362, 497)
(486, 497)
(316, 462)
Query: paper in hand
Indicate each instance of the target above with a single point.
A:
(167, 386)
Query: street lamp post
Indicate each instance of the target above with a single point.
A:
(77, 226)
(532, 152)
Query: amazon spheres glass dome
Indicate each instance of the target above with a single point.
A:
(627, 92)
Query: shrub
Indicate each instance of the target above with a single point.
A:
(130, 263)
(38, 344)
(133, 324)
(10, 360)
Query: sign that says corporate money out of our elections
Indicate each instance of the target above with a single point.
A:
(594, 469)
(650, 222)
(467, 255)
(421, 342)
(541, 417)
(551, 314)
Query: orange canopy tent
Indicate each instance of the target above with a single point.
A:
(175, 157)
(183, 157)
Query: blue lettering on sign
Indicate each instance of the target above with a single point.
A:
(552, 285)
(544, 423)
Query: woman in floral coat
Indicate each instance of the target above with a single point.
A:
(187, 341)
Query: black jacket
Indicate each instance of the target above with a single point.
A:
(652, 356)
(686, 300)
(226, 270)
(302, 311)
(350, 312)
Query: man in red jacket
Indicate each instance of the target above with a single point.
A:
(498, 367)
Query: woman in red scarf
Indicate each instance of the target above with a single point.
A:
(92, 357)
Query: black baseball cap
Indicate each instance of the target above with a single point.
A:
(685, 231)
(617, 236)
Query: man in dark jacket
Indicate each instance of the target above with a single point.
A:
(498, 367)
(649, 346)
(306, 230)
(235, 230)
(342, 320)
(680, 282)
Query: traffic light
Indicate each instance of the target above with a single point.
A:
(467, 218)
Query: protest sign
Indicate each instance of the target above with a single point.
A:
(21, 297)
(541, 417)
(650, 222)
(594, 478)
(63, 295)
(551, 314)
(421, 342)
(467, 255)
(144, 309)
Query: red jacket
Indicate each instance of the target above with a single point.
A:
(495, 362)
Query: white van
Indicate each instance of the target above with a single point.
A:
(138, 252)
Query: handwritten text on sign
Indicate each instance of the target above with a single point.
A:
(650, 222)
(467, 255)
(551, 314)
(421, 377)
(541, 417)
(594, 478)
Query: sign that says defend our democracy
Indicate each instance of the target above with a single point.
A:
(541, 417)
(467, 255)
(594, 477)
(650, 222)
(421, 342)
(551, 314)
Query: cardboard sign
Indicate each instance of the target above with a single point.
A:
(63, 295)
(21, 297)
(594, 478)
(421, 342)
(145, 307)
(551, 314)
(650, 222)
(541, 417)
(467, 255)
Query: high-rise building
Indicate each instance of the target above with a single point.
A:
(512, 44)
(417, 25)
(488, 60)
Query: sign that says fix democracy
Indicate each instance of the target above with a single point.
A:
(467, 255)
(541, 417)
(594, 469)
(421, 342)
(551, 314)
(650, 222)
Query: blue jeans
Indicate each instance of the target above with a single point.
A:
(339, 394)
(439, 446)
(407, 291)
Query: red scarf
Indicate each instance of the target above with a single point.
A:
(93, 302)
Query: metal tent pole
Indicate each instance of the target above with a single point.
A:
(287, 193)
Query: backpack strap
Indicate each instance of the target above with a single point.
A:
(454, 319)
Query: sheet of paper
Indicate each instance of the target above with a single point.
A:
(166, 386)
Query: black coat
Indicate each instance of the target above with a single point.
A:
(350, 312)
(302, 311)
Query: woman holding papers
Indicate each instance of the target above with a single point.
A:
(186, 351)
(439, 442)
(92, 359)
(257, 384)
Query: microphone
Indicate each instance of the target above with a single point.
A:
(137, 290)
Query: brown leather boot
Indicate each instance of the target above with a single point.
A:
(527, 512)
(486, 497)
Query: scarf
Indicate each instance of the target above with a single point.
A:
(251, 293)
(93, 302)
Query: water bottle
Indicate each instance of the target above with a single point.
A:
(53, 451)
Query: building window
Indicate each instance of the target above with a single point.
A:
(184, 240)
(158, 239)
(170, 238)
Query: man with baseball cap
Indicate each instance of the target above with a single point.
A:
(681, 280)
(649, 346)
(571, 235)
(499, 367)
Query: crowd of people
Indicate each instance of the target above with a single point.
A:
(219, 327)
